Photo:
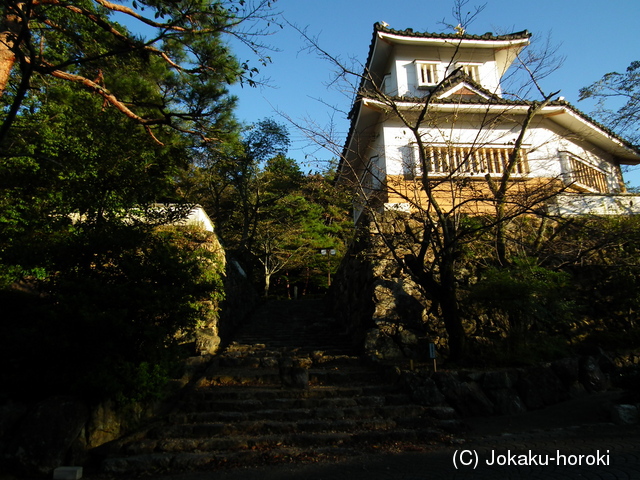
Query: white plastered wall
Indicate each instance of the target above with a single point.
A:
(404, 69)
(544, 142)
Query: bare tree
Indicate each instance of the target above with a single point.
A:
(445, 180)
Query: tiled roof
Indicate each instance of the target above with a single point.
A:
(453, 36)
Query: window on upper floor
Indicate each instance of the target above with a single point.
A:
(427, 74)
(472, 70)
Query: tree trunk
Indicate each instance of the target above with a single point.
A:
(449, 305)
(7, 60)
(445, 293)
(10, 26)
(267, 282)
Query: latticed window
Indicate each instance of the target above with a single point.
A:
(587, 176)
(448, 160)
(472, 70)
(427, 74)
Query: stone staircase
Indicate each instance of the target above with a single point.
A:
(289, 388)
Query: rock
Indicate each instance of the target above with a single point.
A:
(46, 434)
(397, 300)
(381, 346)
(593, 379)
(423, 390)
(139, 463)
(300, 377)
(103, 426)
(293, 373)
(624, 414)
(67, 473)
(506, 401)
(408, 342)
(385, 301)
(539, 387)
(567, 370)
(443, 412)
(498, 380)
(207, 342)
(269, 362)
(407, 337)
(466, 397)
(477, 377)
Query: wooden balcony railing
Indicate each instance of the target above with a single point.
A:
(445, 160)
(586, 176)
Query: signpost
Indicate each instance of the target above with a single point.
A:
(328, 252)
(433, 355)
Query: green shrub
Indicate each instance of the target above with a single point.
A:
(531, 298)
(104, 322)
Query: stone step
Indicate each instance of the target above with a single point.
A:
(188, 461)
(300, 414)
(348, 375)
(158, 463)
(271, 359)
(259, 428)
(317, 351)
(247, 398)
(239, 413)
(270, 393)
(317, 438)
(291, 403)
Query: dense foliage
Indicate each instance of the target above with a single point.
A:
(270, 214)
(102, 319)
(176, 49)
(570, 285)
(95, 292)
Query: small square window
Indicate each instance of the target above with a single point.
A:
(427, 74)
(471, 70)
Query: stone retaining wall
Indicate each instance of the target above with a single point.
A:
(383, 310)
(510, 391)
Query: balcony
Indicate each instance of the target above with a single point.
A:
(584, 176)
(470, 161)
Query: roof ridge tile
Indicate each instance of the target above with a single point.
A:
(409, 32)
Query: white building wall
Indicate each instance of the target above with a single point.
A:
(566, 205)
(545, 147)
(404, 68)
(552, 146)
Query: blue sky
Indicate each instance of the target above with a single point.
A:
(594, 36)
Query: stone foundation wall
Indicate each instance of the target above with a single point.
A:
(381, 307)
(510, 391)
